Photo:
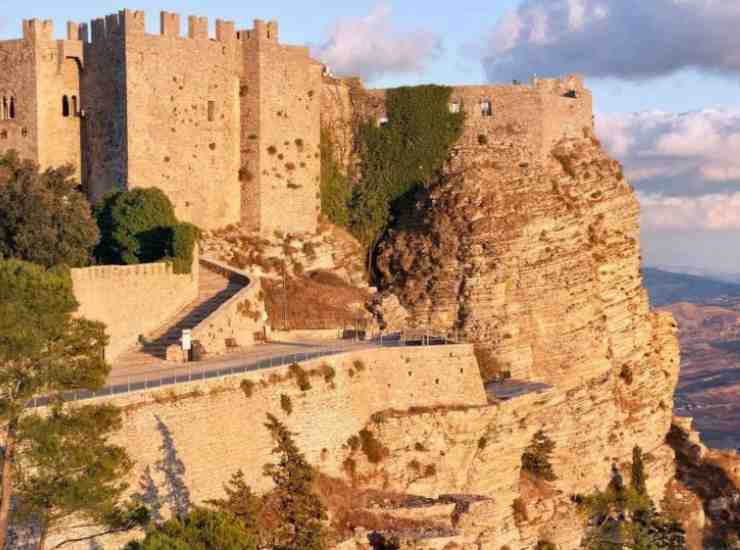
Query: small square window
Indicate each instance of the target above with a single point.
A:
(486, 109)
(454, 107)
(211, 111)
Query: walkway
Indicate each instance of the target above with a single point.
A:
(213, 290)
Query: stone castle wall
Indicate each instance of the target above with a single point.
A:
(182, 113)
(18, 70)
(188, 440)
(281, 164)
(132, 300)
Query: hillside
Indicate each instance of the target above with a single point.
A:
(667, 288)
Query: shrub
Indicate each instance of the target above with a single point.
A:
(520, 510)
(415, 465)
(353, 442)
(373, 449)
(430, 470)
(43, 218)
(181, 240)
(536, 457)
(626, 374)
(336, 190)
(134, 226)
(247, 386)
(272, 149)
(545, 545)
(286, 404)
(329, 373)
(358, 365)
(301, 377)
(482, 443)
(419, 447)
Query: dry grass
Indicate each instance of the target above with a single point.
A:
(307, 304)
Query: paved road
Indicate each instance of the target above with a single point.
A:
(258, 357)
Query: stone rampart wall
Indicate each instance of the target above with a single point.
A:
(18, 81)
(188, 440)
(132, 300)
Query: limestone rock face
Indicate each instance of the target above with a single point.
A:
(536, 261)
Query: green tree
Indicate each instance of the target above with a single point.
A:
(201, 529)
(67, 468)
(639, 477)
(536, 457)
(133, 226)
(43, 217)
(241, 502)
(624, 517)
(44, 350)
(301, 513)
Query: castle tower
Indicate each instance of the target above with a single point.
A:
(280, 135)
(40, 95)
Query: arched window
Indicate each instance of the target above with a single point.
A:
(65, 106)
(12, 108)
(75, 110)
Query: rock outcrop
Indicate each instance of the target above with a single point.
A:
(537, 264)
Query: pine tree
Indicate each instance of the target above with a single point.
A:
(638, 472)
(536, 457)
(300, 511)
(240, 501)
(44, 350)
(66, 468)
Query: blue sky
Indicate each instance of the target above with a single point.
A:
(665, 76)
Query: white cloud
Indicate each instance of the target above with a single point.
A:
(686, 167)
(631, 39)
(703, 146)
(708, 212)
(370, 47)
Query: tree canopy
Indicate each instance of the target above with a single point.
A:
(43, 217)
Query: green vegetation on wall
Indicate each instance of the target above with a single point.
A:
(396, 158)
(336, 187)
(140, 226)
(406, 153)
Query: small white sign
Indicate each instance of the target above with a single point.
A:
(186, 339)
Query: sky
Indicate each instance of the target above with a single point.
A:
(665, 76)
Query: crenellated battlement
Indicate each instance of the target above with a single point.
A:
(198, 27)
(36, 30)
(169, 24)
(262, 31)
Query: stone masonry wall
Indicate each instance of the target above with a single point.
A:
(103, 99)
(187, 441)
(18, 80)
(182, 113)
(283, 158)
(132, 300)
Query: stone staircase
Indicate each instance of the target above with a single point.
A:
(214, 289)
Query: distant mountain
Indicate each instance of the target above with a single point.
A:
(724, 276)
(666, 288)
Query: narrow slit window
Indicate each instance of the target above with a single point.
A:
(65, 106)
(12, 108)
(486, 109)
(211, 111)
(75, 108)
(4, 109)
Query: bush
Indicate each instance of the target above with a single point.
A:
(545, 545)
(247, 386)
(134, 226)
(536, 457)
(286, 404)
(329, 373)
(301, 377)
(520, 510)
(373, 449)
(44, 219)
(181, 240)
(353, 442)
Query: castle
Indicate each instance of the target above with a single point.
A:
(227, 126)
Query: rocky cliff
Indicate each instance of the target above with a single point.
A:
(537, 263)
